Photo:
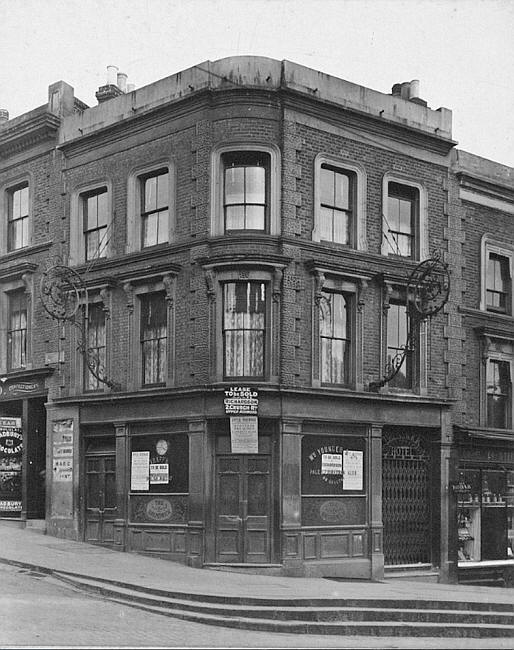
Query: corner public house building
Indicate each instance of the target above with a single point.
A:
(206, 282)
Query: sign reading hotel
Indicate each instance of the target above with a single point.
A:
(244, 435)
(241, 400)
(62, 461)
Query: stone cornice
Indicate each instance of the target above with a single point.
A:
(206, 98)
(364, 122)
(24, 134)
(16, 271)
(489, 187)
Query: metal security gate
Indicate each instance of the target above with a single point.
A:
(406, 500)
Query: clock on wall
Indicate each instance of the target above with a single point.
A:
(161, 447)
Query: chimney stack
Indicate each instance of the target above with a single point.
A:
(4, 115)
(408, 90)
(111, 89)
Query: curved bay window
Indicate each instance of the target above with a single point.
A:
(244, 328)
(335, 337)
(153, 338)
(246, 190)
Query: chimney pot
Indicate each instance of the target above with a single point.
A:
(396, 90)
(112, 75)
(414, 89)
(131, 87)
(121, 80)
(405, 86)
(4, 115)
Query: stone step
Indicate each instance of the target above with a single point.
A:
(379, 621)
(412, 603)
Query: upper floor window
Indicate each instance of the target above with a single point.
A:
(339, 202)
(17, 330)
(155, 196)
(95, 215)
(336, 204)
(498, 283)
(497, 403)
(246, 190)
(18, 217)
(398, 327)
(153, 338)
(402, 209)
(96, 342)
(244, 328)
(404, 219)
(335, 337)
(499, 393)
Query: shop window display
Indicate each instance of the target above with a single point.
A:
(485, 516)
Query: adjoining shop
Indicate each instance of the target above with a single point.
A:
(22, 447)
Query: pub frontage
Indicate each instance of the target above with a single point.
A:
(251, 478)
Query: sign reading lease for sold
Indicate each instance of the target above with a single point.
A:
(241, 400)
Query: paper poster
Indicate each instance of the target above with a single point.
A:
(353, 470)
(62, 436)
(331, 464)
(159, 473)
(244, 435)
(140, 470)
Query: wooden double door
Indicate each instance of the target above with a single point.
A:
(101, 504)
(243, 509)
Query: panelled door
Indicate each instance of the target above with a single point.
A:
(101, 509)
(243, 509)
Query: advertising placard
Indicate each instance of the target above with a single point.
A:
(159, 473)
(241, 400)
(62, 436)
(244, 435)
(353, 467)
(140, 470)
(331, 464)
(11, 449)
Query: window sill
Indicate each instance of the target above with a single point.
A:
(474, 564)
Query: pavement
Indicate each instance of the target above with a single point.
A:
(37, 551)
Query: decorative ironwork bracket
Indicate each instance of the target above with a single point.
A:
(61, 291)
(428, 290)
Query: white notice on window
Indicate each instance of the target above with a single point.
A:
(331, 464)
(244, 435)
(159, 473)
(353, 470)
(140, 470)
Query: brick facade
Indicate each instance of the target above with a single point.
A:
(296, 117)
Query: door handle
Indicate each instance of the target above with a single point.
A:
(233, 517)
